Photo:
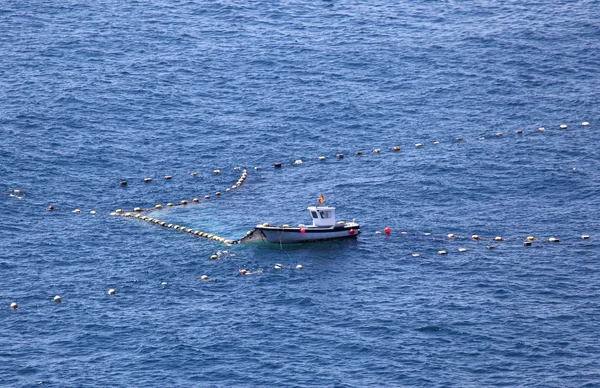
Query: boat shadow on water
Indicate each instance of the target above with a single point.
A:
(323, 245)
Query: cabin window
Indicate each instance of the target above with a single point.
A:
(325, 213)
(314, 215)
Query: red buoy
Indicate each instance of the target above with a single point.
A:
(302, 230)
(387, 230)
(351, 231)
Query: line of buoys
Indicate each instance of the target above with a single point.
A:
(168, 177)
(528, 241)
(184, 202)
(191, 231)
(395, 148)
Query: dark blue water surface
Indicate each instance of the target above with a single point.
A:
(94, 93)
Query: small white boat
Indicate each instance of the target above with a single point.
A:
(324, 227)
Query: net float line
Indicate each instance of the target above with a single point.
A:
(395, 149)
(194, 174)
(76, 210)
(179, 228)
(184, 202)
(526, 240)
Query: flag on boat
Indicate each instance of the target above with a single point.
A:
(321, 199)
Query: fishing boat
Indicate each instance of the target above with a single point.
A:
(324, 227)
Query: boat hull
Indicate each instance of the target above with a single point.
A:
(281, 235)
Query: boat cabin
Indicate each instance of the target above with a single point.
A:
(322, 216)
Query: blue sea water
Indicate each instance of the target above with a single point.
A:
(94, 93)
